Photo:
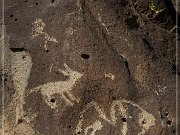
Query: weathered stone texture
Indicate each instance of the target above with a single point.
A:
(88, 67)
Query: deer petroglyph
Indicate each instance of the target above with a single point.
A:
(146, 120)
(63, 88)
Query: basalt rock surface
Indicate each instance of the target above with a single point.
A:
(88, 67)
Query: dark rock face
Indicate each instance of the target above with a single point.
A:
(89, 67)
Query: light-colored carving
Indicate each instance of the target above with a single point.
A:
(24, 129)
(94, 127)
(146, 120)
(99, 18)
(38, 30)
(109, 75)
(69, 31)
(160, 90)
(21, 65)
(107, 28)
(63, 88)
(21, 68)
(78, 3)
(144, 116)
(123, 112)
(50, 68)
(99, 111)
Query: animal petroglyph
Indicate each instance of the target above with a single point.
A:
(63, 88)
(94, 127)
(123, 112)
(38, 30)
(146, 120)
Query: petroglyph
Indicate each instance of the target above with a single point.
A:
(107, 28)
(50, 68)
(21, 68)
(146, 120)
(94, 127)
(38, 30)
(21, 65)
(70, 31)
(78, 3)
(99, 18)
(24, 129)
(123, 112)
(160, 90)
(63, 88)
(99, 111)
(109, 75)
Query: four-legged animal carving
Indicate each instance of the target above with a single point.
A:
(63, 88)
(146, 120)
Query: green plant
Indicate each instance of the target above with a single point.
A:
(155, 8)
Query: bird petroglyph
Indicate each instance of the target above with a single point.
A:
(38, 30)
